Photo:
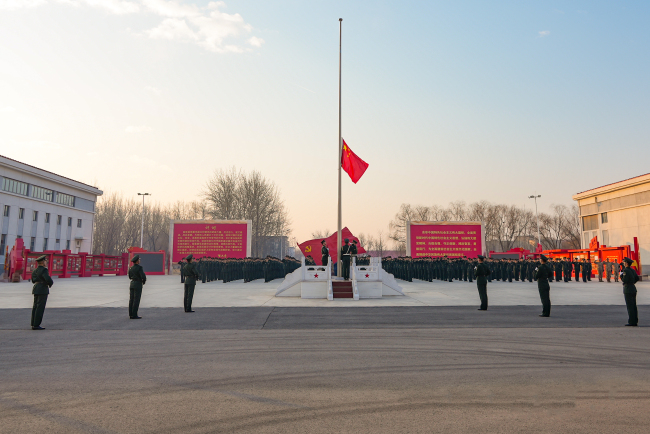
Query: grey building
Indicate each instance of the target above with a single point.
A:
(49, 211)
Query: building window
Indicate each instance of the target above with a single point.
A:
(47, 217)
(78, 223)
(606, 238)
(58, 220)
(45, 240)
(590, 223)
(21, 213)
(6, 211)
(35, 216)
(70, 221)
(67, 245)
(3, 243)
(32, 244)
(65, 199)
(13, 186)
(42, 193)
(58, 242)
(603, 217)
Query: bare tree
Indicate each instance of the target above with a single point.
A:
(406, 214)
(235, 195)
(321, 234)
(572, 227)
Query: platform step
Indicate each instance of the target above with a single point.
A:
(343, 295)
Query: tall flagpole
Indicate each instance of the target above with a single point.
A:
(339, 271)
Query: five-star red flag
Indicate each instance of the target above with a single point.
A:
(353, 165)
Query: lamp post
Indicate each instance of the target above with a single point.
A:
(142, 226)
(539, 240)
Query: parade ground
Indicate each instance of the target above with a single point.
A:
(245, 361)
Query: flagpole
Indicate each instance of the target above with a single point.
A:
(339, 271)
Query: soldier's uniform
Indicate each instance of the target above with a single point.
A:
(325, 254)
(481, 272)
(542, 272)
(345, 259)
(190, 283)
(41, 289)
(138, 279)
(601, 268)
(629, 279)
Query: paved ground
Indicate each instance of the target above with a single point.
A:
(488, 380)
(315, 318)
(167, 291)
(412, 364)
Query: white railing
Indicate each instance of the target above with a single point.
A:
(369, 273)
(353, 278)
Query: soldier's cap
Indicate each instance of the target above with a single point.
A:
(136, 258)
(323, 242)
(347, 240)
(628, 260)
(188, 257)
(355, 241)
(481, 257)
(543, 258)
(41, 258)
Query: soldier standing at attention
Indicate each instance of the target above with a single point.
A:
(42, 283)
(541, 274)
(345, 259)
(324, 252)
(601, 268)
(608, 270)
(353, 250)
(481, 272)
(138, 279)
(629, 279)
(190, 282)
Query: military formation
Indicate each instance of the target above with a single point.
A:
(450, 269)
(542, 270)
(206, 269)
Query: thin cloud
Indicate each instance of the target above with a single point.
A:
(138, 129)
(544, 33)
(208, 27)
(153, 90)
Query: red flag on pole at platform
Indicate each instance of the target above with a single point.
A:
(352, 164)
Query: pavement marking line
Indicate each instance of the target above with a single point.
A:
(62, 420)
(267, 318)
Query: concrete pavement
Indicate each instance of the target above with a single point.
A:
(167, 291)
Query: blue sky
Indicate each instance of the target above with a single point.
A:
(447, 101)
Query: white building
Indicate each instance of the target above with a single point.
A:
(616, 213)
(49, 211)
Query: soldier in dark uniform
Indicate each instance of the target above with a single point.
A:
(190, 282)
(576, 270)
(584, 267)
(180, 264)
(345, 259)
(324, 252)
(353, 250)
(138, 279)
(481, 272)
(541, 274)
(42, 283)
(629, 279)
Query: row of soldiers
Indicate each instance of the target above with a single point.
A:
(450, 269)
(230, 269)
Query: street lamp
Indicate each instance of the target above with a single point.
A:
(142, 226)
(539, 240)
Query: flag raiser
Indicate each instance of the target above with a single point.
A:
(352, 164)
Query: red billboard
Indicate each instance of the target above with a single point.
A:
(217, 239)
(453, 239)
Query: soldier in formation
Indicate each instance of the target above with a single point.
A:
(629, 279)
(138, 279)
(481, 272)
(191, 274)
(41, 289)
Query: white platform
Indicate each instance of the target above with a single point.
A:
(315, 281)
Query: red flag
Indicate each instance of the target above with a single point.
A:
(353, 165)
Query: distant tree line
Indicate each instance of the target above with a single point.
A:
(506, 226)
(228, 195)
